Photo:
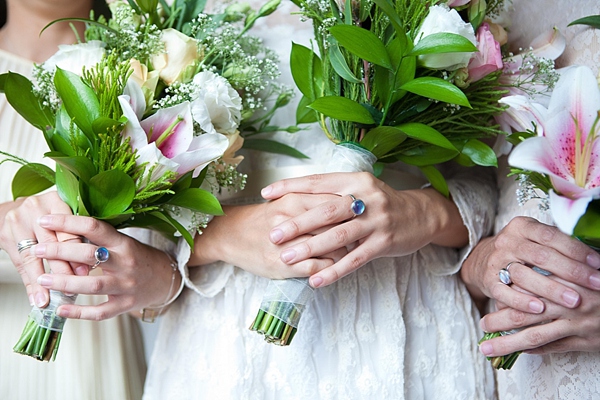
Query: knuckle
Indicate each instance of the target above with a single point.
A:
(535, 338)
(101, 316)
(329, 212)
(517, 318)
(341, 236)
(547, 234)
(96, 286)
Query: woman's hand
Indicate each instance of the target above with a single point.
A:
(395, 223)
(525, 242)
(564, 329)
(19, 222)
(241, 238)
(135, 275)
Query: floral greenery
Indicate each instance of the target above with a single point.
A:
(364, 84)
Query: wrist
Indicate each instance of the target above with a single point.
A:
(444, 220)
(176, 284)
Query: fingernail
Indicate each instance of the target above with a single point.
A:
(595, 280)
(482, 324)
(44, 280)
(288, 255)
(536, 306)
(31, 302)
(276, 235)
(593, 260)
(38, 250)
(40, 300)
(61, 312)
(486, 348)
(266, 191)
(81, 270)
(316, 281)
(571, 298)
(43, 221)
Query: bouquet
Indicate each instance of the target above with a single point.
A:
(394, 80)
(143, 120)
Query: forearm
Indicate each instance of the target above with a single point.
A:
(445, 221)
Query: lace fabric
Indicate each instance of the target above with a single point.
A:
(553, 376)
(398, 328)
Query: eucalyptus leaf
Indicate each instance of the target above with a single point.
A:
(29, 181)
(480, 153)
(382, 139)
(437, 180)
(427, 134)
(67, 186)
(197, 199)
(437, 89)
(362, 43)
(443, 42)
(343, 109)
(110, 193)
(272, 146)
(19, 93)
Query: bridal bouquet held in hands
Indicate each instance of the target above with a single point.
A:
(393, 80)
(138, 117)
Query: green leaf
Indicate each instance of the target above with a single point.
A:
(81, 166)
(67, 187)
(3, 78)
(444, 42)
(437, 89)
(427, 155)
(480, 153)
(110, 193)
(104, 124)
(587, 228)
(340, 65)
(79, 100)
(436, 179)
(197, 200)
(388, 8)
(362, 43)
(382, 139)
(180, 228)
(29, 181)
(304, 114)
(306, 70)
(343, 109)
(272, 146)
(427, 134)
(591, 20)
(19, 93)
(70, 133)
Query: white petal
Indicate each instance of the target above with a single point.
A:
(566, 212)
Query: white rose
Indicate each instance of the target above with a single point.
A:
(217, 105)
(181, 52)
(73, 57)
(443, 19)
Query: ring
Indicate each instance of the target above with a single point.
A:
(504, 274)
(25, 244)
(357, 207)
(102, 255)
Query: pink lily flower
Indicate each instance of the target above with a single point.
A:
(568, 152)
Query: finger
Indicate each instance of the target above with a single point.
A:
(512, 297)
(83, 255)
(314, 219)
(326, 242)
(543, 286)
(568, 344)
(98, 284)
(348, 264)
(319, 183)
(95, 231)
(100, 312)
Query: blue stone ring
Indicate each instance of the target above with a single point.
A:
(357, 207)
(102, 255)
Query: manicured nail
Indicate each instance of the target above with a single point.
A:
(44, 280)
(482, 324)
(486, 348)
(61, 312)
(39, 250)
(595, 280)
(593, 260)
(31, 302)
(82, 270)
(266, 191)
(276, 235)
(571, 298)
(536, 306)
(288, 255)
(40, 300)
(316, 281)
(44, 221)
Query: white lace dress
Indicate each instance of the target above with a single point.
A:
(398, 328)
(554, 376)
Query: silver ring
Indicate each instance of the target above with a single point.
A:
(504, 274)
(102, 255)
(25, 244)
(357, 207)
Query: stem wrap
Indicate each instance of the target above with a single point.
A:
(46, 317)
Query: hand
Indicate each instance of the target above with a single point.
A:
(241, 238)
(395, 223)
(20, 223)
(525, 242)
(135, 276)
(564, 329)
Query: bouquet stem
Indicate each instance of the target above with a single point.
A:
(501, 362)
(41, 336)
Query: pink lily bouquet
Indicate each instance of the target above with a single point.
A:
(142, 120)
(394, 80)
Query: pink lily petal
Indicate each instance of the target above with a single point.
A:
(550, 44)
(566, 212)
(133, 130)
(534, 154)
(522, 115)
(151, 154)
(570, 189)
(136, 97)
(205, 149)
(181, 137)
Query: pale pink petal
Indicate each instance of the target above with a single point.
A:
(181, 137)
(133, 129)
(566, 212)
(549, 44)
(522, 115)
(533, 154)
(571, 190)
(560, 133)
(136, 97)
(204, 149)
